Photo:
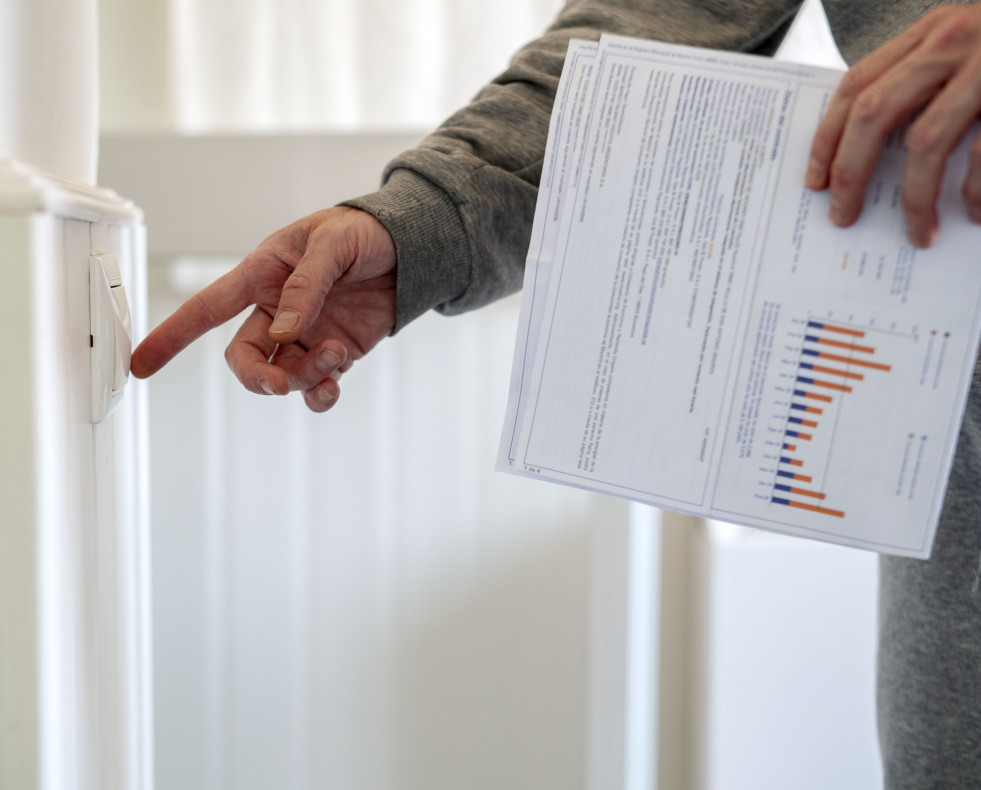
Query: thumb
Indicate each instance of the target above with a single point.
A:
(302, 299)
(341, 242)
(326, 258)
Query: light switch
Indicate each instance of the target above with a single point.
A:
(110, 334)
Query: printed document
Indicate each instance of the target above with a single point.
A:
(695, 334)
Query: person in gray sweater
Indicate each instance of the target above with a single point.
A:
(449, 230)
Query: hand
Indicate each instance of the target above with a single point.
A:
(934, 66)
(324, 295)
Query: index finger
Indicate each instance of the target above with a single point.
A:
(217, 303)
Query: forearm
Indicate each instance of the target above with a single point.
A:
(460, 206)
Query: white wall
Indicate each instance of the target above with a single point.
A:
(74, 649)
(357, 599)
(442, 626)
(296, 66)
(49, 85)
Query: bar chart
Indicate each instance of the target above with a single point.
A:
(834, 361)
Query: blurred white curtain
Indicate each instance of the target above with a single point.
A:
(301, 65)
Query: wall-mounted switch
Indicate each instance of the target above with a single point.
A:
(111, 334)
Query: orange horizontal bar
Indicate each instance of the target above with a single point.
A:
(843, 330)
(809, 423)
(832, 385)
(843, 373)
(805, 492)
(805, 436)
(813, 410)
(852, 361)
(818, 396)
(850, 346)
(825, 511)
(790, 447)
(795, 462)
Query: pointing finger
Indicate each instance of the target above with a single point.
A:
(214, 305)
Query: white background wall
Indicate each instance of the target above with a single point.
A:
(279, 66)
(357, 599)
(360, 601)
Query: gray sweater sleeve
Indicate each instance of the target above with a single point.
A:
(460, 206)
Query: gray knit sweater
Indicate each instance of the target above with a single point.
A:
(460, 206)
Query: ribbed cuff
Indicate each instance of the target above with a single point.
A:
(433, 253)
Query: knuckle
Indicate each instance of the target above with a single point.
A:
(842, 177)
(924, 137)
(852, 82)
(917, 204)
(301, 283)
(953, 26)
(971, 192)
(868, 107)
(321, 234)
(299, 280)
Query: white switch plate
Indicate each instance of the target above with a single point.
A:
(110, 334)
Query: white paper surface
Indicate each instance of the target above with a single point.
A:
(696, 335)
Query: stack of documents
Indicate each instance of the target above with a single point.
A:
(695, 334)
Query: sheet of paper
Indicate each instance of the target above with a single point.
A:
(696, 335)
(560, 173)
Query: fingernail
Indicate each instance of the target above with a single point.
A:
(813, 175)
(285, 321)
(264, 386)
(836, 213)
(327, 360)
(323, 396)
(923, 238)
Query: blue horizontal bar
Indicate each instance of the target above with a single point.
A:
(811, 352)
(791, 433)
(800, 406)
(781, 487)
(805, 380)
(780, 501)
(796, 420)
(781, 473)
